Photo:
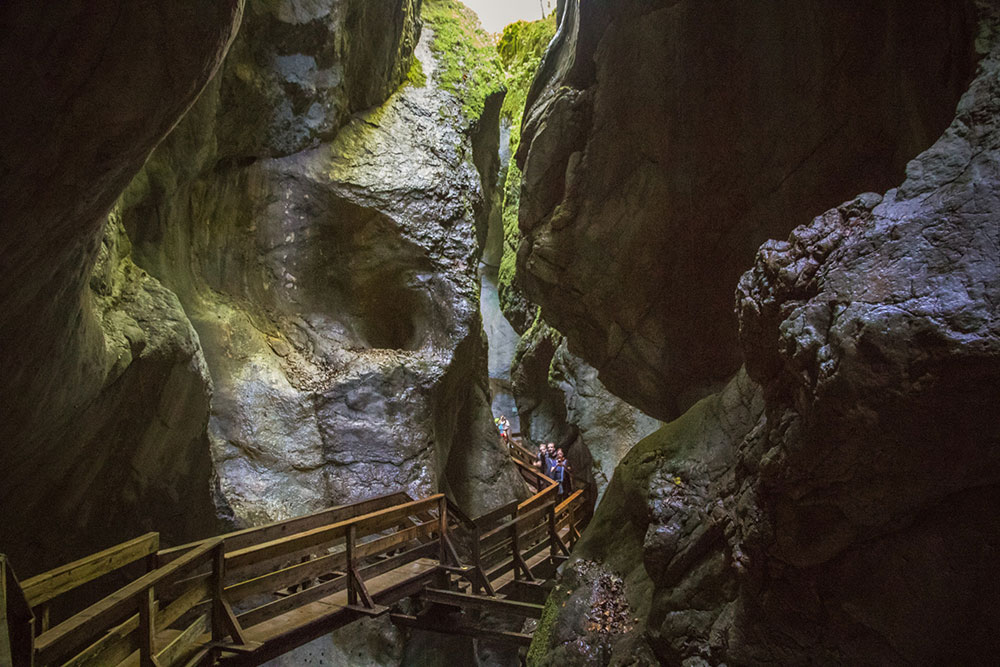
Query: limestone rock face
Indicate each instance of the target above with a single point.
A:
(666, 140)
(834, 503)
(560, 399)
(660, 529)
(104, 390)
(608, 426)
(298, 70)
(875, 332)
(335, 293)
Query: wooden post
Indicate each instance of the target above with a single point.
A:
(46, 620)
(515, 547)
(476, 559)
(553, 535)
(218, 589)
(17, 622)
(572, 525)
(443, 529)
(147, 628)
(352, 591)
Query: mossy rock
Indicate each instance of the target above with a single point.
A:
(468, 63)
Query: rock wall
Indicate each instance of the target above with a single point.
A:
(560, 399)
(832, 504)
(104, 391)
(329, 267)
(665, 141)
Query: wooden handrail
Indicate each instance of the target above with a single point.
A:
(571, 500)
(241, 539)
(484, 521)
(72, 633)
(372, 522)
(48, 585)
(462, 517)
(539, 497)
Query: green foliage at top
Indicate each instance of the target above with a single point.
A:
(521, 48)
(468, 63)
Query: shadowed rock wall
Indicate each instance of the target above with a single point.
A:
(665, 141)
(833, 504)
(104, 389)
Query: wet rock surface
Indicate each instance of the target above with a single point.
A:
(335, 293)
(645, 193)
(561, 399)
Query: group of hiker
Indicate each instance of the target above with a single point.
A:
(550, 461)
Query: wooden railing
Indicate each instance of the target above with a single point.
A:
(129, 620)
(200, 600)
(315, 563)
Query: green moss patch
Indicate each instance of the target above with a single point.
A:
(416, 77)
(468, 63)
(520, 50)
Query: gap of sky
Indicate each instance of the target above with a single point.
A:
(496, 14)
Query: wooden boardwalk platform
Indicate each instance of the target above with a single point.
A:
(249, 596)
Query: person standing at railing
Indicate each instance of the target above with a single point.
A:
(561, 473)
(542, 459)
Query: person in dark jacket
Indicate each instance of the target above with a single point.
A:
(561, 473)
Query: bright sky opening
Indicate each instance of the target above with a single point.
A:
(496, 14)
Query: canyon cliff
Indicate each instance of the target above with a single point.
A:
(831, 503)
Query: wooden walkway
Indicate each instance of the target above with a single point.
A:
(246, 597)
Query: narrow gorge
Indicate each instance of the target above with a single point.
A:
(281, 268)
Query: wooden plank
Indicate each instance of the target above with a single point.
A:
(493, 516)
(271, 610)
(121, 643)
(186, 643)
(53, 583)
(200, 658)
(545, 495)
(462, 517)
(69, 635)
(574, 498)
(241, 539)
(515, 638)
(305, 623)
(483, 603)
(287, 577)
(366, 524)
(232, 625)
(6, 651)
(389, 542)
(147, 629)
(524, 521)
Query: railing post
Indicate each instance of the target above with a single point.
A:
(553, 534)
(218, 589)
(147, 628)
(572, 525)
(476, 558)
(46, 617)
(442, 529)
(352, 591)
(515, 546)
